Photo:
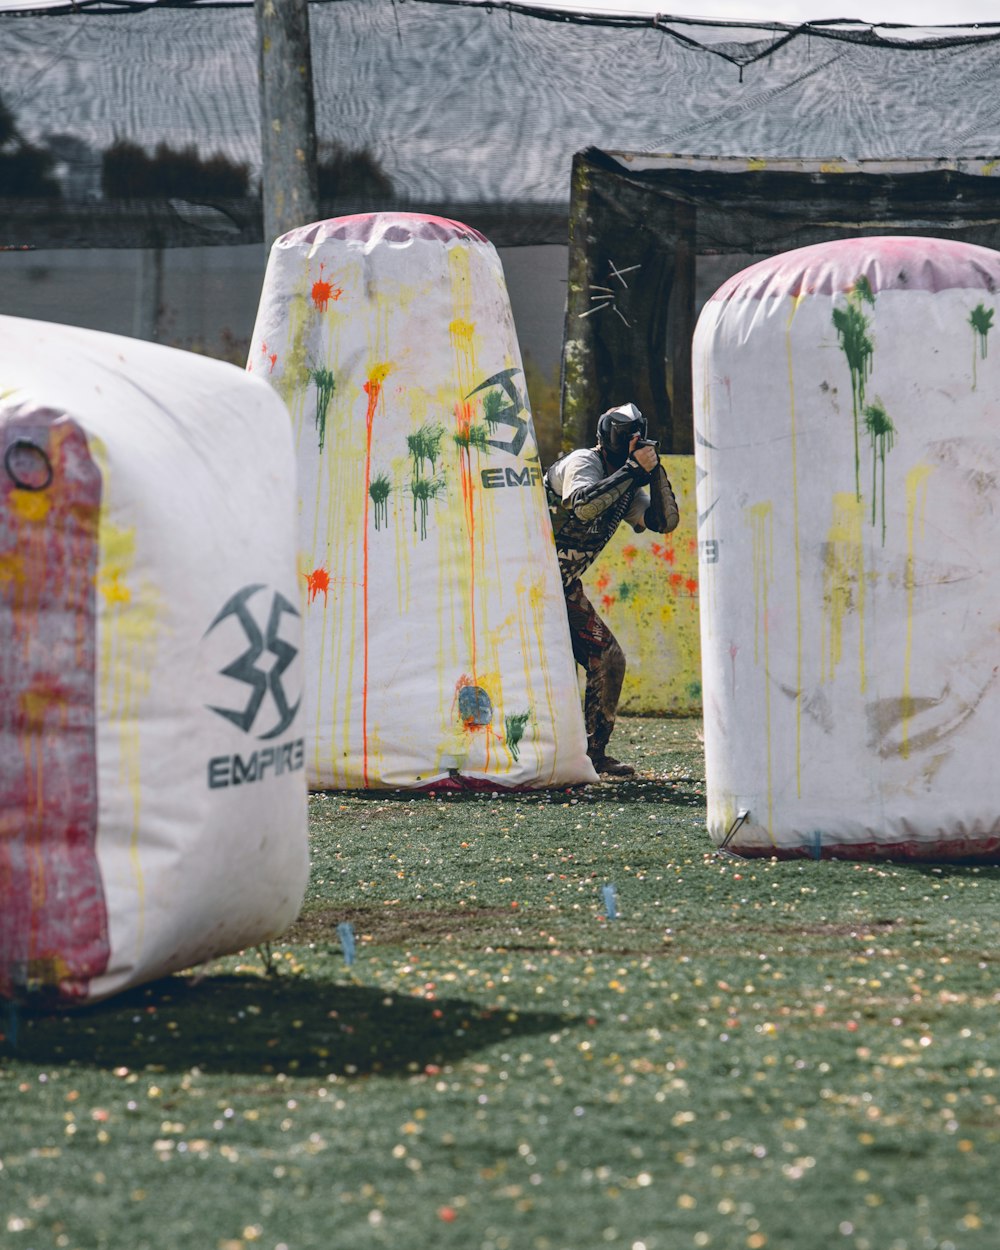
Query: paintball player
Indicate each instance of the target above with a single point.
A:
(590, 492)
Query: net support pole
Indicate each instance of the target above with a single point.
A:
(681, 319)
(287, 117)
(148, 300)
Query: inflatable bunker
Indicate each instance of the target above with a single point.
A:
(847, 428)
(152, 788)
(437, 650)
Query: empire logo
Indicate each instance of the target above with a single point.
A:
(265, 683)
(503, 403)
(493, 479)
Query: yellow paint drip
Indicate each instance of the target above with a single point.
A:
(294, 373)
(461, 335)
(916, 505)
(12, 568)
(761, 520)
(461, 327)
(117, 558)
(128, 633)
(796, 538)
(29, 505)
(36, 703)
(843, 584)
(112, 589)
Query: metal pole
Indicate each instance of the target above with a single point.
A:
(287, 117)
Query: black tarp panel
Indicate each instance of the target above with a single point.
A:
(639, 224)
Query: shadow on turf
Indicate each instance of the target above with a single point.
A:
(279, 1024)
(642, 788)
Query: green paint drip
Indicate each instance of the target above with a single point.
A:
(325, 386)
(981, 320)
(425, 445)
(863, 292)
(424, 489)
(852, 328)
(494, 403)
(380, 489)
(514, 728)
(881, 431)
(473, 436)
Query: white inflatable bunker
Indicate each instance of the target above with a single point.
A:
(152, 787)
(437, 646)
(847, 428)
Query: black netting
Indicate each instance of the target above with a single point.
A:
(141, 128)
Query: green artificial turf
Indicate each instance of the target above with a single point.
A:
(795, 1055)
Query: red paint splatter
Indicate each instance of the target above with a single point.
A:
(608, 601)
(53, 917)
(691, 586)
(318, 582)
(675, 580)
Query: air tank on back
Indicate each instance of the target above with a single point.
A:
(437, 647)
(847, 429)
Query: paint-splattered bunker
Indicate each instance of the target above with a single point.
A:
(152, 790)
(437, 648)
(848, 452)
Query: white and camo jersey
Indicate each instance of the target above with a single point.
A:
(584, 516)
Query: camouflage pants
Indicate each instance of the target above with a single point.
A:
(596, 650)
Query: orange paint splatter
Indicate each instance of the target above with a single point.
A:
(691, 586)
(675, 580)
(603, 580)
(323, 292)
(373, 389)
(318, 582)
(629, 553)
(667, 554)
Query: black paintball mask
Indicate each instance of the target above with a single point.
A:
(615, 430)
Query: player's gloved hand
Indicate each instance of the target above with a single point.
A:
(645, 457)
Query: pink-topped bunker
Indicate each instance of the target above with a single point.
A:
(847, 420)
